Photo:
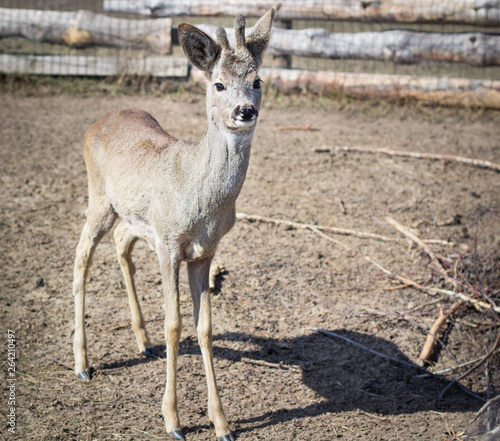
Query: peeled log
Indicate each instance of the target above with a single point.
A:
(85, 28)
(399, 46)
(477, 12)
(442, 91)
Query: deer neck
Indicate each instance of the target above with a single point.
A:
(227, 155)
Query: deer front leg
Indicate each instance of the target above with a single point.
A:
(198, 272)
(169, 267)
(125, 242)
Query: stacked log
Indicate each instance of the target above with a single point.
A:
(398, 46)
(480, 12)
(85, 28)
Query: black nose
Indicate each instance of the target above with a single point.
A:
(245, 112)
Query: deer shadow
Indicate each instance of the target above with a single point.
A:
(347, 377)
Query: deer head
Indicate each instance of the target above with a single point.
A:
(233, 84)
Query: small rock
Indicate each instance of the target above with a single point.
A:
(39, 282)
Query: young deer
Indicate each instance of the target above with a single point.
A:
(177, 195)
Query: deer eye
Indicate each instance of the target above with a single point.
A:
(220, 87)
(256, 83)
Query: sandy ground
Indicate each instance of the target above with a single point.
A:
(277, 283)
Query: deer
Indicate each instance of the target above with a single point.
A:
(178, 196)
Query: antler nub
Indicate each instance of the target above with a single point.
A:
(239, 30)
(222, 39)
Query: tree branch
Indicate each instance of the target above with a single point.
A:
(468, 161)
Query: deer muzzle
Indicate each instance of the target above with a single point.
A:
(245, 114)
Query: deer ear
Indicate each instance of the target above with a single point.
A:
(259, 36)
(199, 48)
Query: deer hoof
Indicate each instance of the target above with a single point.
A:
(84, 375)
(228, 437)
(150, 353)
(177, 434)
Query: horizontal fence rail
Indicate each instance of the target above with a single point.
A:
(79, 65)
(480, 12)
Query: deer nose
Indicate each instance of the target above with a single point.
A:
(245, 112)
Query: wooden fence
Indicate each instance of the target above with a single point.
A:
(148, 43)
(476, 12)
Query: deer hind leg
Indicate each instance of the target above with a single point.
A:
(100, 219)
(198, 272)
(125, 242)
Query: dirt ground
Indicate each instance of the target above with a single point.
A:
(277, 282)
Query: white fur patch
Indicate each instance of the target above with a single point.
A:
(244, 123)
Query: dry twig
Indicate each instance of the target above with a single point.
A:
(483, 359)
(473, 368)
(308, 126)
(372, 351)
(468, 161)
(434, 291)
(440, 263)
(146, 433)
(454, 220)
(284, 367)
(330, 239)
(343, 231)
(61, 363)
(458, 366)
(430, 343)
(486, 405)
(395, 288)
(437, 260)
(121, 325)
